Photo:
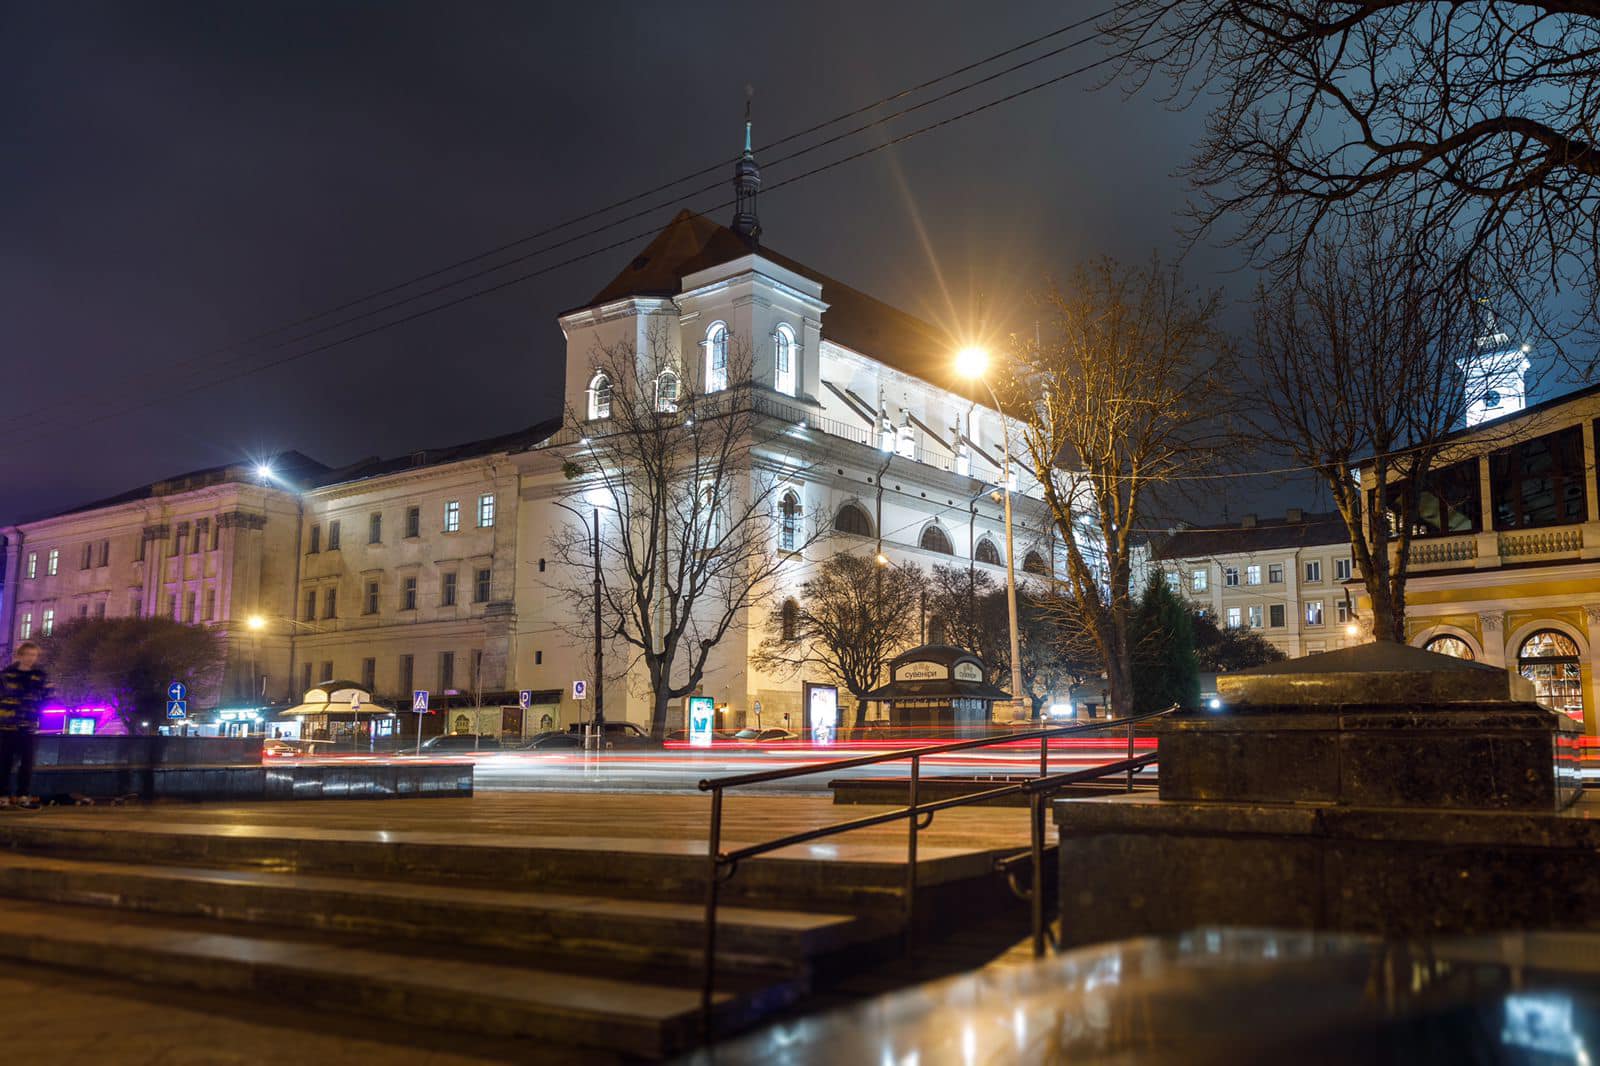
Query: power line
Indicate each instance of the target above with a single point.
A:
(240, 346)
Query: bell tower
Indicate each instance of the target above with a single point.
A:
(1494, 375)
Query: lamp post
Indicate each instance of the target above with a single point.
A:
(973, 363)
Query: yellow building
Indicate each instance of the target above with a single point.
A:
(1505, 564)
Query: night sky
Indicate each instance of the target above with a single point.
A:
(179, 178)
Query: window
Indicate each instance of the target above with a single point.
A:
(788, 522)
(179, 539)
(1230, 576)
(852, 519)
(447, 670)
(538, 658)
(135, 603)
(52, 562)
(1454, 647)
(408, 673)
(327, 670)
(480, 586)
(783, 359)
(194, 543)
(447, 590)
(172, 608)
(1252, 575)
(1174, 581)
(375, 528)
(33, 565)
(1275, 613)
(1234, 617)
(1033, 563)
(138, 550)
(311, 605)
(330, 603)
(86, 558)
(216, 534)
(408, 594)
(314, 540)
(1342, 611)
(1341, 570)
(717, 357)
(1255, 616)
(369, 674)
(191, 607)
(986, 552)
(25, 629)
(667, 391)
(1550, 660)
(486, 510)
(1539, 482)
(599, 396)
(1313, 612)
(1449, 502)
(211, 605)
(1198, 580)
(100, 609)
(105, 554)
(333, 535)
(1313, 571)
(83, 610)
(305, 678)
(452, 516)
(413, 522)
(48, 624)
(789, 620)
(371, 604)
(935, 540)
(1275, 574)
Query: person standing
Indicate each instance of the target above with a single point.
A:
(23, 689)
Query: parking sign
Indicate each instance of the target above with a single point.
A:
(525, 699)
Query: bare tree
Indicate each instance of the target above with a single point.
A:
(1479, 119)
(852, 616)
(1116, 397)
(694, 525)
(1359, 364)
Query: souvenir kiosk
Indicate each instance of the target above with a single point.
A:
(341, 713)
(939, 691)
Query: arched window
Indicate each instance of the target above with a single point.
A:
(852, 519)
(783, 357)
(717, 357)
(667, 391)
(1033, 563)
(1549, 659)
(935, 539)
(987, 553)
(600, 395)
(789, 620)
(1454, 647)
(788, 522)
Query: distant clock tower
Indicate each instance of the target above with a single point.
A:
(1494, 375)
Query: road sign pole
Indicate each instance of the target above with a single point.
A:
(418, 717)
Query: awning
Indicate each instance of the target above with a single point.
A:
(335, 697)
(938, 689)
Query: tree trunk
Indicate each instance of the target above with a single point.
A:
(861, 713)
(658, 712)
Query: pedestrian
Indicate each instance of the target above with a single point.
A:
(23, 689)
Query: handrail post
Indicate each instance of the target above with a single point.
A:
(1036, 802)
(1130, 753)
(911, 854)
(708, 975)
(1044, 757)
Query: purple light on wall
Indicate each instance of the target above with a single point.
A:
(54, 719)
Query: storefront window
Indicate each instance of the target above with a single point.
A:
(1550, 660)
(1454, 647)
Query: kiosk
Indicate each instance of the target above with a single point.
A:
(938, 690)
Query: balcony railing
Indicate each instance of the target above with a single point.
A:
(1541, 542)
(1495, 549)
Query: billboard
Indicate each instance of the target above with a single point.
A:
(822, 713)
(702, 719)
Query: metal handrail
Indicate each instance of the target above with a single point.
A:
(918, 816)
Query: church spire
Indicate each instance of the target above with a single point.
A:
(746, 184)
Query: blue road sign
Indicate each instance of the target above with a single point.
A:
(580, 690)
(178, 708)
(177, 691)
(419, 701)
(525, 699)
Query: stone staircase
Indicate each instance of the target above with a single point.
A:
(589, 945)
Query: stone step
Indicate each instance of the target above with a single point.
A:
(630, 1018)
(598, 933)
(835, 875)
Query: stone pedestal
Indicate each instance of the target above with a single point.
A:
(1380, 789)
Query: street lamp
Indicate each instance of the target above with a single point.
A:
(973, 363)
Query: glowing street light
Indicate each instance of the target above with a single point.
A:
(264, 471)
(972, 362)
(256, 622)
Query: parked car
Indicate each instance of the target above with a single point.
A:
(682, 735)
(553, 740)
(764, 736)
(619, 735)
(458, 743)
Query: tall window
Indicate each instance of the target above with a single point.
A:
(52, 562)
(667, 391)
(789, 620)
(33, 565)
(1198, 580)
(447, 589)
(1235, 617)
(452, 516)
(1313, 612)
(104, 558)
(25, 628)
(330, 603)
(1341, 569)
(600, 395)
(1539, 482)
(1033, 563)
(986, 552)
(369, 674)
(314, 541)
(1252, 575)
(480, 585)
(371, 605)
(191, 607)
(311, 605)
(1230, 576)
(211, 605)
(305, 678)
(333, 535)
(135, 603)
(408, 673)
(486, 510)
(1275, 615)
(138, 549)
(413, 522)
(852, 519)
(408, 594)
(48, 625)
(788, 522)
(1313, 571)
(717, 357)
(87, 558)
(934, 539)
(1448, 502)
(375, 528)
(216, 534)
(327, 670)
(783, 359)
(1274, 573)
(447, 669)
(1549, 659)
(1255, 616)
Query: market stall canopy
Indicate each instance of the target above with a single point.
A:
(937, 671)
(335, 697)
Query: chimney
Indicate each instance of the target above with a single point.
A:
(1248, 522)
(1295, 515)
